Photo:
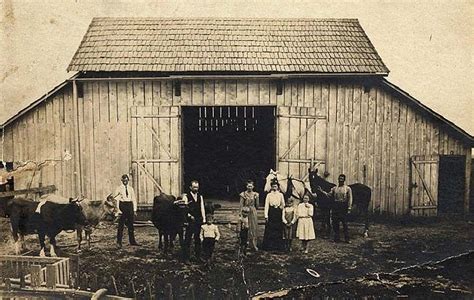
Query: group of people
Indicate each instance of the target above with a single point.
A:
(283, 220)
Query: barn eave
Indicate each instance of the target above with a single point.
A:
(40, 100)
(442, 122)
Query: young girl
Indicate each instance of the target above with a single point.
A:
(289, 219)
(305, 229)
(249, 201)
(243, 227)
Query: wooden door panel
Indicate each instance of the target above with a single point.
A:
(155, 153)
(424, 185)
(301, 140)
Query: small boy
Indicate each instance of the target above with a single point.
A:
(209, 236)
(243, 230)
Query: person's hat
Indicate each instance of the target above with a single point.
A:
(125, 176)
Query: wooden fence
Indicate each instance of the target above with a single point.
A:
(35, 271)
(42, 278)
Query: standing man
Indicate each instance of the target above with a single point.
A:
(342, 195)
(127, 204)
(196, 217)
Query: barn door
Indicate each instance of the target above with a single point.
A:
(155, 151)
(301, 140)
(424, 185)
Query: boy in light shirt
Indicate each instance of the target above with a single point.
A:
(209, 236)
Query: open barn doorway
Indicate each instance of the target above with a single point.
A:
(451, 186)
(223, 146)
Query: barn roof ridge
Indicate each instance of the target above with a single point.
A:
(221, 18)
(277, 45)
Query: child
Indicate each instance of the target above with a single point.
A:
(305, 229)
(243, 230)
(209, 236)
(289, 219)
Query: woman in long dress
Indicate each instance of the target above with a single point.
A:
(249, 198)
(274, 204)
(305, 229)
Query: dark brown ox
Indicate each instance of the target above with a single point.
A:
(51, 219)
(169, 217)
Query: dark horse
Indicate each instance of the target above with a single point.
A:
(361, 195)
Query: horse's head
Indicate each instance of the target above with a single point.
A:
(316, 182)
(274, 176)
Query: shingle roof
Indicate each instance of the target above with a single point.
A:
(227, 45)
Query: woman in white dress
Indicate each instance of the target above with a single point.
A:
(305, 229)
(273, 235)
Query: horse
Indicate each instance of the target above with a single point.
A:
(289, 186)
(361, 196)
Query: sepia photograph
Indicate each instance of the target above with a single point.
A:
(236, 149)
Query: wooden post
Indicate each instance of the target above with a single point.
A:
(168, 291)
(115, 285)
(21, 273)
(96, 282)
(35, 271)
(133, 289)
(76, 280)
(150, 292)
(77, 140)
(8, 285)
(191, 292)
(467, 185)
(51, 276)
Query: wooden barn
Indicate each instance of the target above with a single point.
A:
(223, 100)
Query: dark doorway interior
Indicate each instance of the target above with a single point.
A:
(451, 183)
(223, 146)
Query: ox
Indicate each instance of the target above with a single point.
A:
(169, 217)
(95, 212)
(50, 221)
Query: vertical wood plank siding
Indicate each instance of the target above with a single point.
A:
(368, 133)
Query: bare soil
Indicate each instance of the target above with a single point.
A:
(364, 268)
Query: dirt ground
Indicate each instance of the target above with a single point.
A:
(363, 268)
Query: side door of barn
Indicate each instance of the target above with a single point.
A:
(155, 151)
(424, 170)
(301, 140)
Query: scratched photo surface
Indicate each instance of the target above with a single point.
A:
(236, 149)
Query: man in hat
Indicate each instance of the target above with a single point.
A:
(127, 204)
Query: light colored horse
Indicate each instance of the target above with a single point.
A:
(300, 188)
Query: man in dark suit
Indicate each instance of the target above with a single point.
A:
(196, 217)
